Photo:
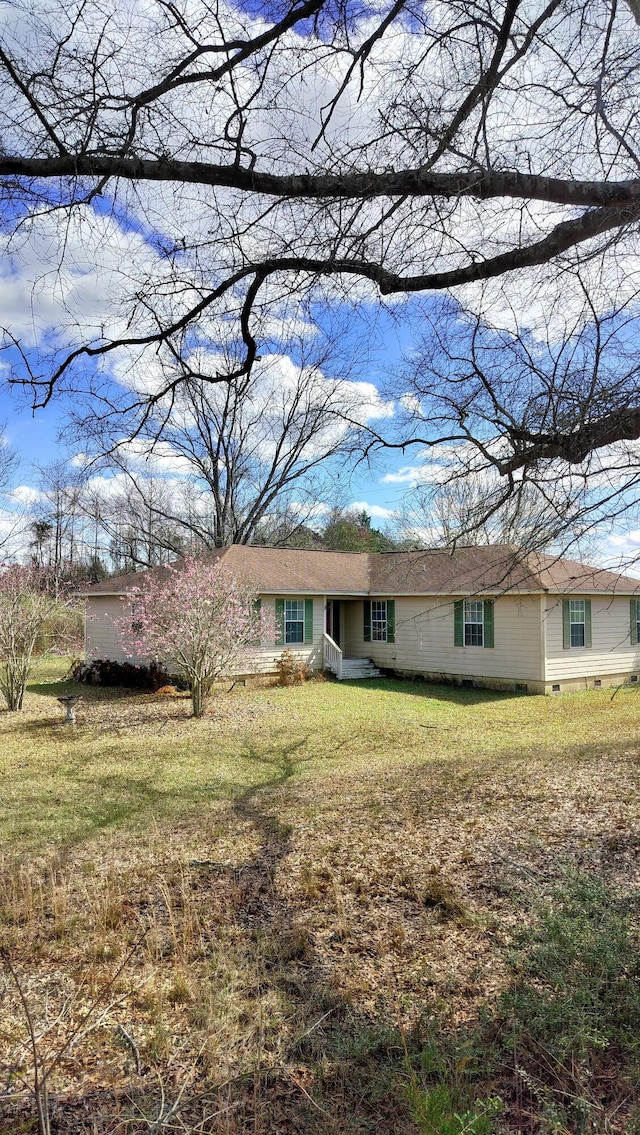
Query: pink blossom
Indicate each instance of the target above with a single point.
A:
(197, 619)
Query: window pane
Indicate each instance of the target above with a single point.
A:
(293, 620)
(474, 611)
(379, 620)
(474, 622)
(577, 621)
(473, 634)
(577, 634)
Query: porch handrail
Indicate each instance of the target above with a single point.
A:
(331, 655)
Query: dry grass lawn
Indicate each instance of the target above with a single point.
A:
(237, 924)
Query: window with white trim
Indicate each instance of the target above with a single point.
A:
(474, 622)
(293, 620)
(378, 620)
(577, 622)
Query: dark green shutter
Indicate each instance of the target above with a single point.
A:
(487, 637)
(634, 622)
(367, 620)
(458, 622)
(391, 620)
(587, 622)
(308, 620)
(279, 622)
(566, 625)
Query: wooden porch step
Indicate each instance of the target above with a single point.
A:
(353, 668)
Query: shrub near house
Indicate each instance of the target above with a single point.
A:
(197, 619)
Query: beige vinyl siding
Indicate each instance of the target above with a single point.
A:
(424, 639)
(265, 658)
(102, 640)
(611, 651)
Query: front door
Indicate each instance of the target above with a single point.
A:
(333, 620)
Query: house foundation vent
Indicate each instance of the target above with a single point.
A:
(597, 683)
(521, 687)
(634, 677)
(555, 689)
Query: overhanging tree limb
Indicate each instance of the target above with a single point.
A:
(573, 447)
(481, 184)
(565, 236)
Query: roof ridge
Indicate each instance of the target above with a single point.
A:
(309, 551)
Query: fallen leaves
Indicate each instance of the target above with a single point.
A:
(299, 856)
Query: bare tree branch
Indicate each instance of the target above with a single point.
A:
(231, 171)
(481, 184)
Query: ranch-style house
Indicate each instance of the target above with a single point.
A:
(480, 616)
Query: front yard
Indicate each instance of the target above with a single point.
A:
(260, 921)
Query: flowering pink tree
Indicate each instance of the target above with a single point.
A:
(197, 619)
(25, 606)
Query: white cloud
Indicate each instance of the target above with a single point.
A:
(282, 400)
(25, 495)
(66, 284)
(157, 459)
(108, 487)
(375, 511)
(411, 475)
(309, 512)
(411, 403)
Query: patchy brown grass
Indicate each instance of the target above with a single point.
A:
(236, 924)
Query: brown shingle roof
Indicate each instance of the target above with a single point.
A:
(294, 570)
(276, 570)
(494, 568)
(491, 569)
(561, 575)
(466, 571)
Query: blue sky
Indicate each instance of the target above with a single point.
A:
(375, 339)
(33, 296)
(41, 437)
(35, 437)
(110, 247)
